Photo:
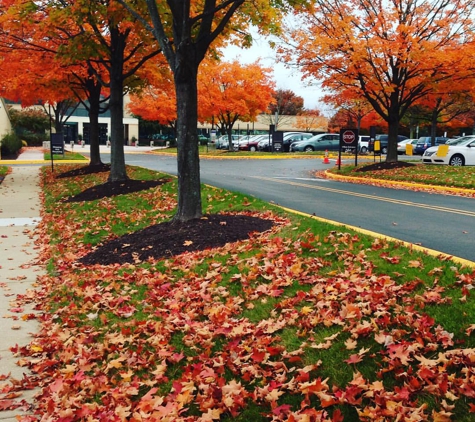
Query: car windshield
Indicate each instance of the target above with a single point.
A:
(462, 140)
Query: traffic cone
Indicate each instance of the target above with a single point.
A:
(326, 160)
(338, 162)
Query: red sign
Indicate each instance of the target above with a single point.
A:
(349, 137)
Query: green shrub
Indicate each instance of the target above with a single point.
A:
(11, 144)
(33, 139)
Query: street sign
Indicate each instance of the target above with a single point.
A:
(57, 144)
(349, 140)
(278, 141)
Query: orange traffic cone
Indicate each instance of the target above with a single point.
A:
(338, 162)
(326, 160)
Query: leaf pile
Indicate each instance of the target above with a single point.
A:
(287, 325)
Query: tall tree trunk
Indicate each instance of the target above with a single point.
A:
(118, 171)
(116, 106)
(94, 107)
(189, 185)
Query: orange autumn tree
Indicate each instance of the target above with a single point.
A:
(228, 92)
(100, 37)
(156, 102)
(389, 53)
(447, 100)
(188, 32)
(312, 121)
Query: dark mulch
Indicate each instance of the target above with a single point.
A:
(82, 171)
(169, 239)
(384, 165)
(109, 189)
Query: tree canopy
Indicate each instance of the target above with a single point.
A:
(390, 53)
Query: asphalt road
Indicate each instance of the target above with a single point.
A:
(440, 222)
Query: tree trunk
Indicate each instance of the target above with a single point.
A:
(189, 185)
(393, 130)
(94, 107)
(433, 126)
(116, 106)
(229, 131)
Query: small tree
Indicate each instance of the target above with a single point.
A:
(30, 124)
(229, 92)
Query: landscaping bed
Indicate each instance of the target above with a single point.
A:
(296, 320)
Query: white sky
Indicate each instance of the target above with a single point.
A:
(284, 77)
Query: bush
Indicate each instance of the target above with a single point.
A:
(33, 139)
(11, 144)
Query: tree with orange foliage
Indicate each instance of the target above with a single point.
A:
(311, 121)
(231, 91)
(447, 100)
(156, 102)
(188, 31)
(390, 53)
(355, 107)
(100, 38)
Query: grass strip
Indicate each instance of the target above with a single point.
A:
(308, 320)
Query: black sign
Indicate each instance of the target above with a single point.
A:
(349, 140)
(57, 144)
(278, 141)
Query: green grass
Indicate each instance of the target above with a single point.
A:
(67, 156)
(276, 313)
(3, 171)
(458, 177)
(215, 153)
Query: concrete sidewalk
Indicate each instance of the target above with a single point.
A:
(35, 155)
(19, 214)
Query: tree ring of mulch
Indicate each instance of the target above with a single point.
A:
(109, 189)
(82, 171)
(168, 239)
(385, 165)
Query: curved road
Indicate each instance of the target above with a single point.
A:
(440, 222)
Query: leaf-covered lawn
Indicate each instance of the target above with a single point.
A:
(307, 322)
(447, 176)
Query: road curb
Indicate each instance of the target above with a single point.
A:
(392, 183)
(428, 251)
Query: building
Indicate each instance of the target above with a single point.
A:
(77, 124)
(284, 124)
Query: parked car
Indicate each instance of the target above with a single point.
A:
(320, 142)
(424, 142)
(401, 145)
(383, 143)
(223, 141)
(288, 139)
(460, 152)
(249, 143)
(363, 142)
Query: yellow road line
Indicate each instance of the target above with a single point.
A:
(373, 197)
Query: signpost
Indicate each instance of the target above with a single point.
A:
(56, 146)
(277, 141)
(348, 143)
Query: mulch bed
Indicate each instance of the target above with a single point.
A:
(109, 189)
(168, 239)
(82, 171)
(384, 165)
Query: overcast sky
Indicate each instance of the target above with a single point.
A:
(285, 78)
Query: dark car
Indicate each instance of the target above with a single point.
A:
(320, 142)
(383, 142)
(425, 142)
